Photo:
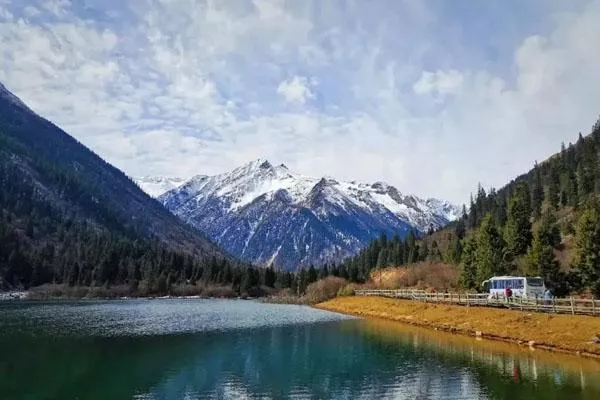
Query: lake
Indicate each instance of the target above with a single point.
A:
(237, 349)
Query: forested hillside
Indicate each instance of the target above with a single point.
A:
(545, 222)
(68, 217)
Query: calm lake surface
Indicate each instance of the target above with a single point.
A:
(229, 349)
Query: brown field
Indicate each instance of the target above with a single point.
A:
(555, 332)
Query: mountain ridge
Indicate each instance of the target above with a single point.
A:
(304, 220)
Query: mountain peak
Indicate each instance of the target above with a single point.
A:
(265, 165)
(157, 185)
(258, 163)
(7, 94)
(264, 213)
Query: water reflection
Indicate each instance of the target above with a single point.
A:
(564, 376)
(339, 359)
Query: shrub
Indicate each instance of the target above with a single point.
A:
(219, 291)
(347, 290)
(324, 289)
(438, 276)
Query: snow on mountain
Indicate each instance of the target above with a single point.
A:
(158, 185)
(268, 214)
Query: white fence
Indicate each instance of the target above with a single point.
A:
(556, 305)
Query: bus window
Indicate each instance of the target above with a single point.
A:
(535, 282)
(518, 283)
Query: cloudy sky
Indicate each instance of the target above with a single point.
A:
(431, 96)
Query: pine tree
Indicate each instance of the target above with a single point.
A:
(473, 218)
(518, 227)
(549, 230)
(382, 260)
(423, 253)
(537, 192)
(455, 251)
(587, 258)
(468, 276)
(434, 252)
(585, 180)
(554, 189)
(460, 229)
(488, 250)
(572, 191)
(312, 274)
(540, 259)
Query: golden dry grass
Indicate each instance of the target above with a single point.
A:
(559, 332)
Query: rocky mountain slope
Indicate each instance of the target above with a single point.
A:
(270, 215)
(157, 185)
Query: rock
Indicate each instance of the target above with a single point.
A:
(478, 333)
(531, 343)
(596, 339)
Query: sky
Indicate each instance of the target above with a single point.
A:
(431, 96)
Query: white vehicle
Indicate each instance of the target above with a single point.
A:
(521, 286)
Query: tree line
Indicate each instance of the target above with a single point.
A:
(519, 229)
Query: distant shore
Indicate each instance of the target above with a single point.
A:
(66, 292)
(564, 333)
(13, 295)
(91, 295)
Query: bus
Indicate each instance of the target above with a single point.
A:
(521, 286)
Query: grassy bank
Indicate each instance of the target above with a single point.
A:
(554, 332)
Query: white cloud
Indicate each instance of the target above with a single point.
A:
(182, 87)
(31, 11)
(5, 14)
(56, 7)
(441, 82)
(296, 89)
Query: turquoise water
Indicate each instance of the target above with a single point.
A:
(228, 349)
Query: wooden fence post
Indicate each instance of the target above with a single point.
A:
(593, 306)
(572, 306)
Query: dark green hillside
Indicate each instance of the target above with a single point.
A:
(545, 222)
(67, 216)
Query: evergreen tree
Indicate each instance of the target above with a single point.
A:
(468, 276)
(572, 193)
(518, 227)
(549, 230)
(460, 229)
(537, 192)
(473, 218)
(488, 250)
(455, 251)
(434, 252)
(540, 259)
(554, 189)
(312, 274)
(587, 258)
(382, 260)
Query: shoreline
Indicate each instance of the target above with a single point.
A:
(23, 296)
(478, 322)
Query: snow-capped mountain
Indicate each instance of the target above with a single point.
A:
(157, 185)
(268, 214)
